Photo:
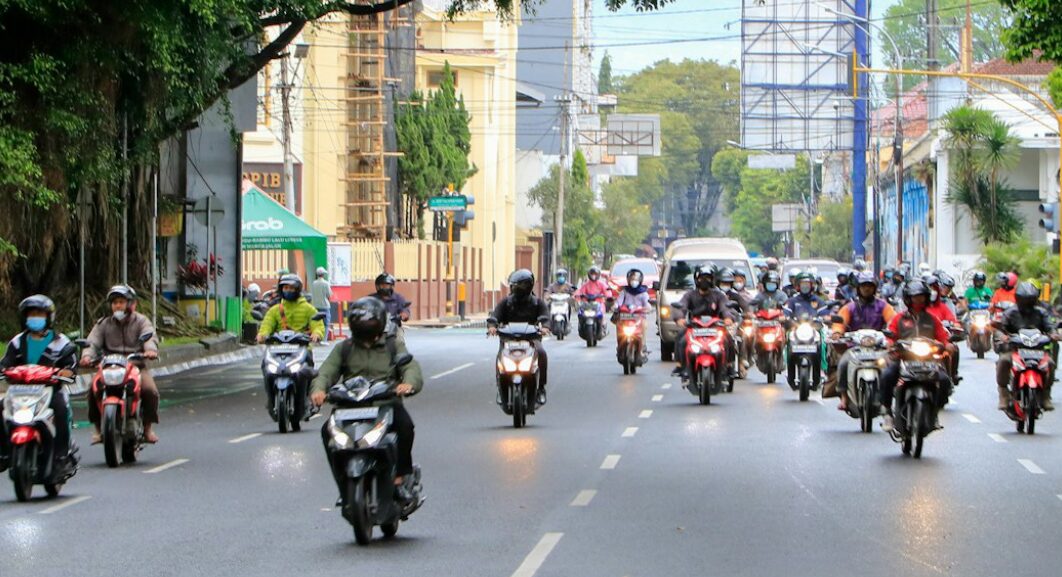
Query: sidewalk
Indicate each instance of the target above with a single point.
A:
(470, 322)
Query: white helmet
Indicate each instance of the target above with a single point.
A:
(321, 271)
(253, 290)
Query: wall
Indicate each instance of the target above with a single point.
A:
(531, 167)
(915, 224)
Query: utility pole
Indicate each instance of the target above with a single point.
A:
(125, 198)
(289, 172)
(967, 44)
(558, 226)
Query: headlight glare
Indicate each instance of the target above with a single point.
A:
(769, 337)
(921, 348)
(113, 375)
(508, 365)
(804, 332)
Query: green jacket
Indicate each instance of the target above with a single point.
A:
(373, 363)
(298, 314)
(974, 294)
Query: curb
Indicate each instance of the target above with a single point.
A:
(241, 354)
(470, 324)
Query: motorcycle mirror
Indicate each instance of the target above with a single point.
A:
(656, 285)
(146, 337)
(83, 343)
(318, 317)
(403, 359)
(257, 315)
(889, 334)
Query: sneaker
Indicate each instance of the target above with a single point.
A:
(541, 396)
(677, 372)
(886, 423)
(1047, 404)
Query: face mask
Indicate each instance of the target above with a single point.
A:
(290, 295)
(805, 289)
(636, 283)
(725, 286)
(36, 324)
(562, 279)
(386, 291)
(739, 286)
(119, 316)
(704, 284)
(771, 287)
(593, 277)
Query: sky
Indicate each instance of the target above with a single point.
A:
(683, 19)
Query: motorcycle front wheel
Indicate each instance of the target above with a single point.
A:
(866, 419)
(23, 470)
(358, 501)
(805, 383)
(282, 411)
(112, 435)
(706, 380)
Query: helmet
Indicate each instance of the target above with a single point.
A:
(772, 264)
(634, 274)
(384, 278)
(253, 290)
(924, 268)
(322, 271)
(123, 291)
(842, 275)
(521, 282)
(805, 276)
(367, 318)
(702, 271)
(726, 275)
(946, 280)
(771, 278)
(979, 278)
(562, 275)
(859, 265)
(290, 280)
(594, 271)
(913, 289)
(899, 271)
(866, 277)
(1026, 296)
(932, 281)
(38, 303)
(1001, 278)
(1010, 281)
(793, 273)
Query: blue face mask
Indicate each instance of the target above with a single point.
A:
(562, 279)
(771, 287)
(36, 324)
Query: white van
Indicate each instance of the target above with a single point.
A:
(680, 261)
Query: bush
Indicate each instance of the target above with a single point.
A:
(1032, 261)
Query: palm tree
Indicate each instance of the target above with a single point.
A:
(998, 151)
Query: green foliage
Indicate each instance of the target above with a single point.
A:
(1054, 86)
(604, 75)
(905, 21)
(625, 218)
(831, 231)
(580, 215)
(751, 192)
(435, 139)
(1036, 30)
(982, 147)
(1031, 260)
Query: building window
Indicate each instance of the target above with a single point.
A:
(435, 78)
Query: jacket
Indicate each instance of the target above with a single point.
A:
(766, 301)
(974, 294)
(801, 303)
(857, 315)
(297, 317)
(565, 288)
(321, 292)
(1038, 318)
(110, 336)
(633, 300)
(739, 297)
(596, 288)
(532, 310)
(942, 311)
(372, 362)
(910, 324)
(694, 304)
(1002, 295)
(394, 302)
(60, 353)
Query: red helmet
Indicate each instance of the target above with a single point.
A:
(1010, 281)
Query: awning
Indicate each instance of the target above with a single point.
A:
(269, 226)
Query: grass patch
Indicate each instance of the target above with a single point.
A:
(174, 341)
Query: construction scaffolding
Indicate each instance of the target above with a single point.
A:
(370, 170)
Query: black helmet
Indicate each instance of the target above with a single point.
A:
(120, 290)
(705, 272)
(842, 275)
(367, 318)
(979, 278)
(1026, 296)
(899, 272)
(521, 283)
(36, 303)
(593, 270)
(562, 273)
(290, 280)
(634, 274)
(726, 275)
(772, 276)
(384, 278)
(913, 289)
(946, 280)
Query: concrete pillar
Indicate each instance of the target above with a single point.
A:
(946, 213)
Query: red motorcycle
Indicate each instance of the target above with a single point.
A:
(1029, 369)
(706, 358)
(770, 342)
(630, 338)
(116, 391)
(30, 422)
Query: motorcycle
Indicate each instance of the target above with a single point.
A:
(706, 358)
(866, 361)
(30, 422)
(363, 454)
(559, 313)
(922, 374)
(769, 342)
(806, 350)
(629, 339)
(746, 345)
(1029, 371)
(116, 389)
(287, 358)
(592, 320)
(517, 371)
(979, 327)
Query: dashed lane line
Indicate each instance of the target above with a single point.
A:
(645, 414)
(244, 438)
(973, 419)
(65, 504)
(629, 432)
(538, 555)
(1031, 466)
(583, 498)
(997, 437)
(170, 465)
(452, 371)
(666, 386)
(610, 462)
(658, 398)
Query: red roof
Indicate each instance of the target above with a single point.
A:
(1028, 67)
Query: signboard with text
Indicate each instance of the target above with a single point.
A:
(269, 178)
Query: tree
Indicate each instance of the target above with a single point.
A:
(831, 231)
(905, 21)
(580, 216)
(981, 147)
(625, 219)
(1035, 32)
(604, 75)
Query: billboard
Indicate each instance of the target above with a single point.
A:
(794, 75)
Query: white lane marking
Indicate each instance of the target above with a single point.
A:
(244, 438)
(658, 398)
(538, 555)
(170, 465)
(819, 401)
(65, 504)
(1059, 497)
(452, 371)
(316, 416)
(645, 414)
(583, 498)
(666, 386)
(1031, 467)
(997, 437)
(630, 431)
(971, 418)
(610, 462)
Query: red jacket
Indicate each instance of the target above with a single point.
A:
(943, 313)
(906, 326)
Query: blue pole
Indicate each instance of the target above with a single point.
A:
(859, 135)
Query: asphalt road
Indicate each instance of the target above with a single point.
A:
(616, 476)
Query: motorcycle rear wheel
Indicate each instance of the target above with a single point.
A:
(53, 489)
(23, 465)
(358, 501)
(129, 447)
(112, 435)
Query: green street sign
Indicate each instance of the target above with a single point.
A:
(448, 203)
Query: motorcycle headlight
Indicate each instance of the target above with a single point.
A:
(294, 367)
(340, 439)
(665, 312)
(769, 337)
(508, 365)
(630, 330)
(868, 342)
(23, 408)
(372, 438)
(921, 348)
(695, 347)
(524, 365)
(589, 313)
(271, 366)
(980, 322)
(713, 348)
(113, 375)
(804, 332)
(747, 331)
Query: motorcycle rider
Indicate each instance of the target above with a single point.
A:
(702, 300)
(844, 292)
(397, 305)
(1028, 314)
(370, 352)
(321, 295)
(791, 288)
(866, 311)
(978, 292)
(1006, 291)
(594, 286)
(741, 285)
(772, 266)
(914, 321)
(560, 284)
(119, 333)
(726, 283)
(522, 306)
(635, 296)
(770, 298)
(924, 271)
(938, 307)
(295, 313)
(40, 344)
(805, 301)
(893, 291)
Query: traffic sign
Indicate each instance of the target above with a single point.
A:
(209, 204)
(447, 203)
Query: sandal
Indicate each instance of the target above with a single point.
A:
(97, 438)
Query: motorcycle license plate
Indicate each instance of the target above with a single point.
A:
(362, 414)
(805, 348)
(919, 366)
(1034, 356)
(705, 332)
(517, 345)
(284, 349)
(628, 317)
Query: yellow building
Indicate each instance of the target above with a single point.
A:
(481, 50)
